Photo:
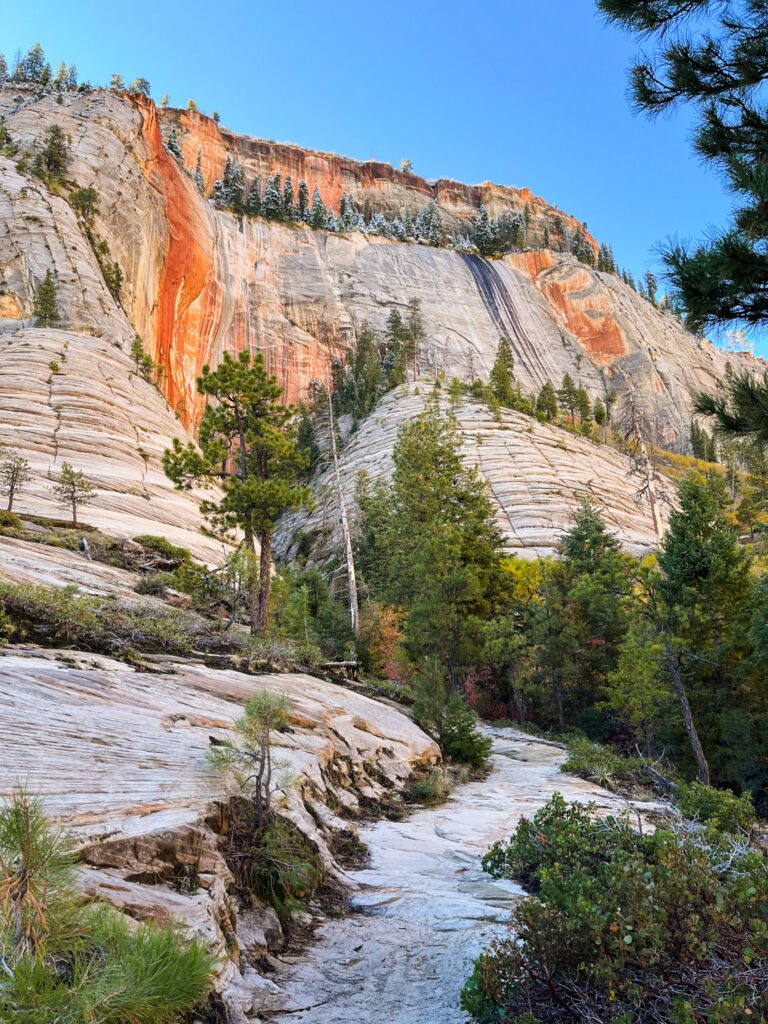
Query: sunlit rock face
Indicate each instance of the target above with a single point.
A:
(120, 761)
(198, 282)
(536, 476)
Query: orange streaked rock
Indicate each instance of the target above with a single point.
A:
(584, 306)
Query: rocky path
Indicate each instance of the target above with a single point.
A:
(424, 909)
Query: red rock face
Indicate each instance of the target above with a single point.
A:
(188, 303)
(391, 190)
(585, 309)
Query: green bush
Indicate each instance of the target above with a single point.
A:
(274, 862)
(448, 718)
(164, 548)
(460, 737)
(719, 808)
(9, 520)
(602, 764)
(625, 928)
(430, 790)
(153, 584)
(66, 963)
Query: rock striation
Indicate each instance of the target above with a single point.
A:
(200, 281)
(536, 476)
(119, 758)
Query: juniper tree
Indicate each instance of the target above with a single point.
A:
(14, 474)
(45, 309)
(716, 63)
(73, 489)
(248, 447)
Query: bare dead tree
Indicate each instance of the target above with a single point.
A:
(641, 449)
(354, 609)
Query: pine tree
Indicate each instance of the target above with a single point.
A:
(3, 70)
(546, 403)
(483, 234)
(714, 62)
(705, 593)
(140, 87)
(272, 200)
(650, 286)
(247, 444)
(568, 397)
(73, 490)
(253, 202)
(116, 83)
(52, 159)
(33, 64)
(429, 543)
(172, 144)
(199, 177)
(289, 211)
(302, 205)
(46, 309)
(379, 225)
(14, 475)
(61, 77)
(502, 380)
(584, 407)
(318, 216)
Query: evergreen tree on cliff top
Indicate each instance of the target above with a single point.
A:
(247, 447)
(713, 54)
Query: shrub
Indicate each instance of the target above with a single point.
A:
(153, 584)
(719, 808)
(163, 547)
(62, 618)
(448, 719)
(65, 963)
(10, 521)
(430, 790)
(461, 739)
(659, 929)
(270, 861)
(602, 764)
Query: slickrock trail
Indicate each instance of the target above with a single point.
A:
(424, 907)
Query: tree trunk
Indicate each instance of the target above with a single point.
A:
(10, 498)
(702, 766)
(517, 700)
(74, 514)
(354, 608)
(253, 589)
(265, 582)
(559, 702)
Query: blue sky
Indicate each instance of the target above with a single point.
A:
(519, 92)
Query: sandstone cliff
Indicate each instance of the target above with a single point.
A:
(199, 281)
(536, 476)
